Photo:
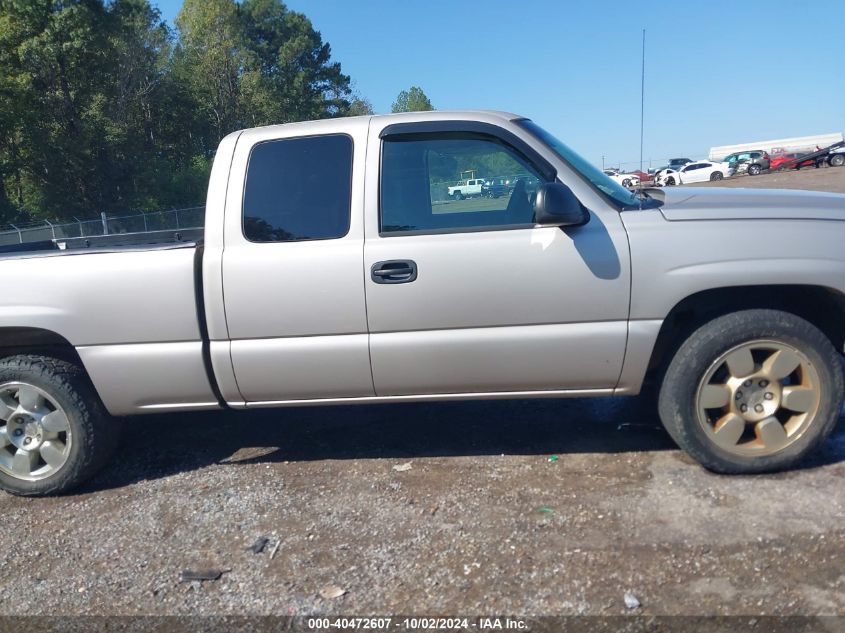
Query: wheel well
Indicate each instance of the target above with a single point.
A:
(823, 307)
(30, 340)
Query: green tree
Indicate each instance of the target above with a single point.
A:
(148, 124)
(412, 100)
(359, 106)
(84, 119)
(53, 56)
(289, 75)
(104, 108)
(256, 63)
(209, 60)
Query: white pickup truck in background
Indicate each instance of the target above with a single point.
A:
(466, 189)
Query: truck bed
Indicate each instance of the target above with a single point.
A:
(105, 243)
(127, 304)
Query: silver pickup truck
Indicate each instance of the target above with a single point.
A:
(334, 268)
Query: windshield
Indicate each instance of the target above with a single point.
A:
(609, 188)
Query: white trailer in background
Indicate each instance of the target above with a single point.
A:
(800, 144)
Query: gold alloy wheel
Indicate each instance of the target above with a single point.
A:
(758, 398)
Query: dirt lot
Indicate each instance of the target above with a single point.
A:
(483, 522)
(478, 519)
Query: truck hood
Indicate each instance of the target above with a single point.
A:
(693, 203)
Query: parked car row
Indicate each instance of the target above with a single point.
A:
(678, 171)
(681, 171)
(755, 162)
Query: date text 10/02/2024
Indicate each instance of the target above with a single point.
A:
(419, 623)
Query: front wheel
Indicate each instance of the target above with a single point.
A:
(54, 433)
(754, 170)
(752, 391)
(837, 160)
(459, 195)
(670, 180)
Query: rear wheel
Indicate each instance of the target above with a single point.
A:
(716, 175)
(54, 433)
(626, 182)
(754, 169)
(752, 391)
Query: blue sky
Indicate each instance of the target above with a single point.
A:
(716, 72)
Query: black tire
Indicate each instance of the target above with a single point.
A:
(837, 160)
(716, 175)
(670, 180)
(459, 195)
(95, 433)
(754, 169)
(677, 406)
(626, 182)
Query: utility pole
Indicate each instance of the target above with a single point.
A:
(642, 103)
(602, 162)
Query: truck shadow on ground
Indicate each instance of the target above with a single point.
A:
(163, 445)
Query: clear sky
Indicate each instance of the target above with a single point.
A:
(717, 72)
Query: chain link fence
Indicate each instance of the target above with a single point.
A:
(106, 224)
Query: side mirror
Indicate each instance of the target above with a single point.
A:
(556, 205)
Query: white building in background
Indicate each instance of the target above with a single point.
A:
(800, 144)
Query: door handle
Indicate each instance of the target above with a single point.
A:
(394, 271)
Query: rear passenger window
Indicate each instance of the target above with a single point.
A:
(298, 189)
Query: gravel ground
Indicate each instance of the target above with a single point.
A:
(485, 520)
(522, 507)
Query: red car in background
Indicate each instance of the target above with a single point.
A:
(780, 159)
(643, 176)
